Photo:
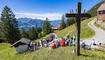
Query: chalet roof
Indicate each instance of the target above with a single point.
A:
(54, 28)
(102, 7)
(22, 41)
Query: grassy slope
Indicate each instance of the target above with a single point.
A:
(86, 32)
(56, 54)
(99, 26)
(5, 51)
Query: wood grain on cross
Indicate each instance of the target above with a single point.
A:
(78, 16)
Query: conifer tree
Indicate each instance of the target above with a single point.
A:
(32, 33)
(63, 25)
(68, 22)
(9, 25)
(46, 27)
(38, 31)
(23, 33)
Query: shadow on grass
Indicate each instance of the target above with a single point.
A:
(84, 55)
(93, 56)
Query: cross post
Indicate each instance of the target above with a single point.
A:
(78, 16)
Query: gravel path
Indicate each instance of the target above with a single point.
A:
(99, 36)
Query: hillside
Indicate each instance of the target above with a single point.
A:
(93, 10)
(61, 53)
(7, 53)
(56, 54)
(86, 32)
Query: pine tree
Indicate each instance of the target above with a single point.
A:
(32, 33)
(63, 25)
(1, 33)
(38, 31)
(23, 33)
(40, 35)
(68, 22)
(46, 27)
(9, 25)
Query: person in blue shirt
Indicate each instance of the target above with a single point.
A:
(83, 44)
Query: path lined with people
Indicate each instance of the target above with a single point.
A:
(99, 36)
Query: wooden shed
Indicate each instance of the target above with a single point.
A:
(22, 41)
(101, 13)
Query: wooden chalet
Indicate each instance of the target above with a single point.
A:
(101, 13)
(55, 28)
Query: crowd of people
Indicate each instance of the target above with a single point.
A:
(61, 42)
(58, 42)
(52, 42)
(33, 46)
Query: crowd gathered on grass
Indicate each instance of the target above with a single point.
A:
(54, 42)
(57, 42)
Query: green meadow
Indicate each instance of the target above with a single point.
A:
(60, 53)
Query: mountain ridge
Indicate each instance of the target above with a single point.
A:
(29, 22)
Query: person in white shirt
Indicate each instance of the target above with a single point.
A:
(93, 42)
(40, 42)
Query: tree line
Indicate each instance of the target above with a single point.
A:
(10, 32)
(69, 22)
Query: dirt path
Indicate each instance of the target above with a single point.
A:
(99, 34)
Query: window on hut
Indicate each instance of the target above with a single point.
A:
(102, 12)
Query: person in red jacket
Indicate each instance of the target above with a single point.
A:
(62, 42)
(52, 45)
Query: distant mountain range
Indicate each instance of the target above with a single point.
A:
(28, 22)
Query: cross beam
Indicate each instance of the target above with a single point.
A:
(78, 17)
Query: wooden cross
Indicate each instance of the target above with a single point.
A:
(78, 16)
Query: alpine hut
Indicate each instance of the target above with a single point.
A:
(22, 45)
(101, 13)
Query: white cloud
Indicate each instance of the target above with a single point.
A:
(51, 16)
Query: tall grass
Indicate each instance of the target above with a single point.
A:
(61, 53)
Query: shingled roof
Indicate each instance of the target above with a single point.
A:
(102, 7)
(22, 41)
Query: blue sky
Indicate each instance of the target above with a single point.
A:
(40, 9)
